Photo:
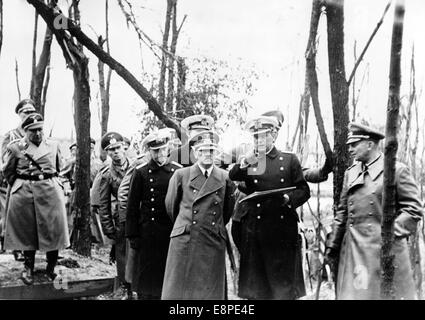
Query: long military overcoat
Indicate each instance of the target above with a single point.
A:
(147, 221)
(36, 217)
(356, 232)
(265, 230)
(201, 208)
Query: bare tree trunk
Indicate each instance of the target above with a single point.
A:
(353, 101)
(181, 84)
(339, 91)
(17, 79)
(34, 51)
(391, 145)
(1, 24)
(161, 84)
(313, 84)
(49, 15)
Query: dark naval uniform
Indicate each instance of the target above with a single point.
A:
(265, 230)
(147, 220)
(110, 180)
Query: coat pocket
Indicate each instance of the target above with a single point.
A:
(178, 231)
(17, 185)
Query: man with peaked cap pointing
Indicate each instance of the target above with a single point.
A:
(148, 226)
(36, 217)
(199, 202)
(356, 230)
(266, 229)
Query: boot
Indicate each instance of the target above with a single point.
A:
(128, 292)
(27, 275)
(52, 259)
(2, 245)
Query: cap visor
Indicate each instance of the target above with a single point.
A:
(113, 145)
(37, 125)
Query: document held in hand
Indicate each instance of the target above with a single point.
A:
(259, 194)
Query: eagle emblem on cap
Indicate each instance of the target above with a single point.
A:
(112, 141)
(257, 124)
(204, 122)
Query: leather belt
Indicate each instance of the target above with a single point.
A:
(37, 177)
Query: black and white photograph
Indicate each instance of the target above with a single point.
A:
(212, 154)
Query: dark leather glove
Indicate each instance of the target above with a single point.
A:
(327, 167)
(134, 243)
(331, 259)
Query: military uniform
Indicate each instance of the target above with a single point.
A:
(265, 230)
(36, 217)
(147, 221)
(110, 179)
(356, 231)
(200, 208)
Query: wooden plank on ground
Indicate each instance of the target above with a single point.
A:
(58, 290)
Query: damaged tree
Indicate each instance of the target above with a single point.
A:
(50, 16)
(391, 145)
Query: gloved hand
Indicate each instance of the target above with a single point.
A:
(134, 243)
(327, 167)
(249, 158)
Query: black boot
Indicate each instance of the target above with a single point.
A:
(2, 245)
(52, 259)
(27, 275)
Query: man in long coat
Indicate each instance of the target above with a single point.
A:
(36, 217)
(22, 109)
(110, 179)
(265, 230)
(356, 231)
(199, 201)
(147, 225)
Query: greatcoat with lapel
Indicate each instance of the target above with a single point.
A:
(201, 208)
(356, 231)
(36, 217)
(148, 222)
(265, 230)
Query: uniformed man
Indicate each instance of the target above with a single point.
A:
(356, 231)
(191, 126)
(265, 230)
(110, 179)
(199, 201)
(148, 226)
(22, 109)
(36, 217)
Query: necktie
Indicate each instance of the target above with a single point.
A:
(206, 174)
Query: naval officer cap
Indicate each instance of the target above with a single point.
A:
(33, 121)
(156, 139)
(261, 124)
(198, 121)
(207, 140)
(25, 105)
(277, 114)
(111, 140)
(358, 132)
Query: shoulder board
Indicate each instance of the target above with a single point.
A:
(104, 169)
(177, 164)
(141, 165)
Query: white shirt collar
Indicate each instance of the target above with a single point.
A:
(209, 170)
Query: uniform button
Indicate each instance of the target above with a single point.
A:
(172, 170)
(255, 181)
(153, 219)
(351, 224)
(213, 223)
(194, 190)
(254, 169)
(194, 222)
(281, 180)
(371, 202)
(153, 199)
(351, 214)
(280, 158)
(151, 180)
(369, 224)
(194, 211)
(150, 171)
(281, 168)
(258, 205)
(216, 203)
(153, 209)
(370, 213)
(214, 213)
(351, 203)
(258, 217)
(281, 217)
(151, 189)
(216, 192)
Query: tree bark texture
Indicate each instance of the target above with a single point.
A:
(171, 61)
(339, 91)
(34, 49)
(1, 24)
(391, 145)
(311, 76)
(162, 74)
(50, 15)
